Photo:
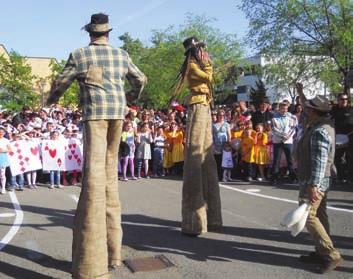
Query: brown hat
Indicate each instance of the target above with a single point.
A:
(99, 24)
(319, 103)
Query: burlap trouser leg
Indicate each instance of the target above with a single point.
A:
(316, 223)
(201, 204)
(97, 230)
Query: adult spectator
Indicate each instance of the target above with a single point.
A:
(315, 156)
(244, 110)
(298, 111)
(262, 115)
(101, 71)
(22, 117)
(298, 101)
(343, 117)
(221, 135)
(283, 129)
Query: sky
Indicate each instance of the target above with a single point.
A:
(46, 28)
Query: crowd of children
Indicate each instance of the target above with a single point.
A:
(153, 144)
(54, 124)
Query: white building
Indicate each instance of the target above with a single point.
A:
(275, 93)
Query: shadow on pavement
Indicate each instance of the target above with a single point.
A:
(163, 236)
(56, 217)
(20, 272)
(34, 256)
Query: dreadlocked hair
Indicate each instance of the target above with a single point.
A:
(190, 54)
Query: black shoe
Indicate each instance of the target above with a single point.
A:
(329, 265)
(313, 257)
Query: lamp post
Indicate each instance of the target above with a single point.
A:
(42, 84)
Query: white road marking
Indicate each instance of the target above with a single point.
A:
(278, 199)
(5, 215)
(16, 224)
(253, 190)
(246, 219)
(74, 197)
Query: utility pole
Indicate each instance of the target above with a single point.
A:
(42, 85)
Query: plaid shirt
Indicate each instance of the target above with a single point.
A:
(101, 71)
(321, 145)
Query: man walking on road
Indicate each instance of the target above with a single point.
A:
(101, 71)
(315, 155)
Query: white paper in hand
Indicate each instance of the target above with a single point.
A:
(294, 216)
(299, 226)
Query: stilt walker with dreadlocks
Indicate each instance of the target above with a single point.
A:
(201, 204)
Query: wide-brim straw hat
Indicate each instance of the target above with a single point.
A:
(319, 103)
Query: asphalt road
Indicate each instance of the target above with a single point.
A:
(36, 236)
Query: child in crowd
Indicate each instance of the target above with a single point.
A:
(4, 159)
(177, 138)
(128, 136)
(54, 174)
(261, 154)
(238, 130)
(158, 152)
(247, 153)
(168, 147)
(17, 181)
(144, 140)
(31, 176)
(227, 162)
(268, 130)
(249, 126)
(74, 181)
(71, 132)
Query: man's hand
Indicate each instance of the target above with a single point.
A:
(313, 194)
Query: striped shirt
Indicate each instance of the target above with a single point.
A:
(101, 71)
(159, 142)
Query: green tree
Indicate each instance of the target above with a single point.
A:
(259, 93)
(162, 59)
(322, 28)
(284, 71)
(16, 82)
(71, 96)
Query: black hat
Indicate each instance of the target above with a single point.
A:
(192, 42)
(99, 24)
